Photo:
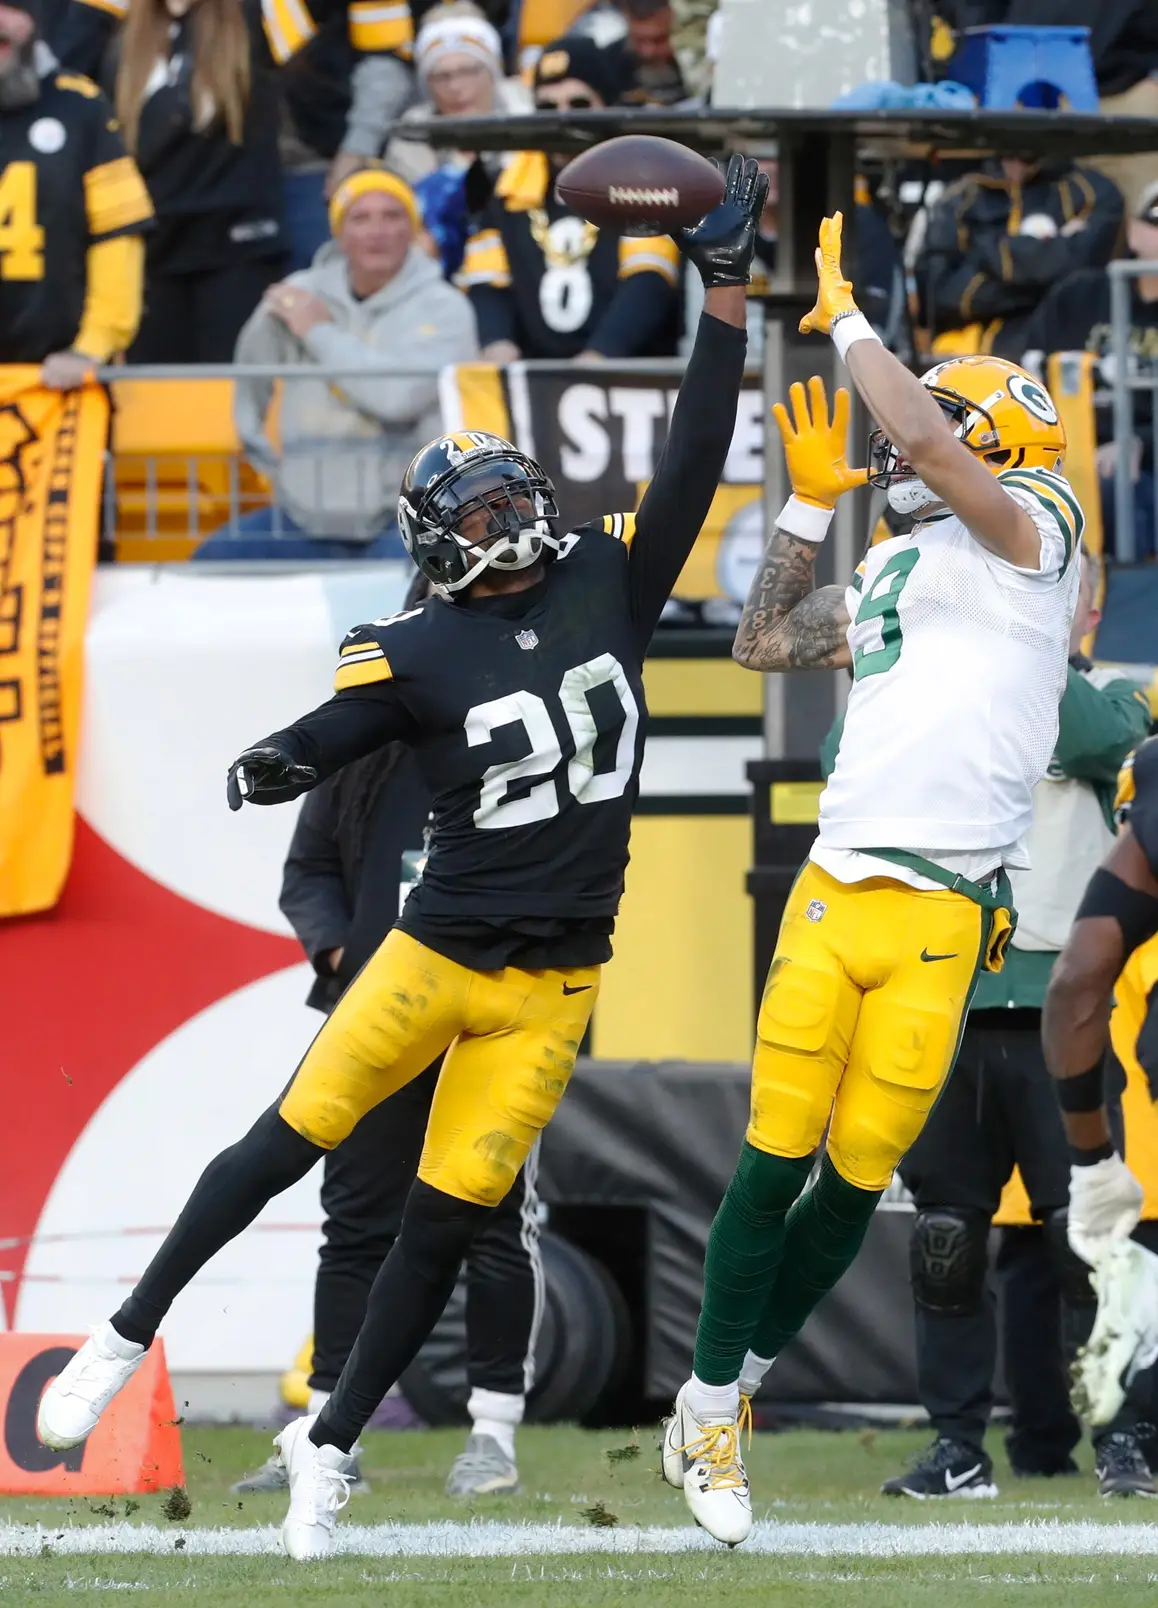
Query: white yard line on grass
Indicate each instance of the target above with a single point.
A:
(491, 1540)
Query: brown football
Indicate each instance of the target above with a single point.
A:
(641, 184)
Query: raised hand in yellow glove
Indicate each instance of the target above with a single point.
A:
(815, 446)
(834, 292)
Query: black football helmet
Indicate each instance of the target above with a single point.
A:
(457, 475)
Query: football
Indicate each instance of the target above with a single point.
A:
(641, 184)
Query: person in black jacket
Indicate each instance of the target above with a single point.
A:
(199, 109)
(1075, 317)
(355, 851)
(996, 242)
(545, 283)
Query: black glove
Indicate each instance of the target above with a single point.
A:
(721, 245)
(266, 775)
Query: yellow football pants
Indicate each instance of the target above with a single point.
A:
(513, 1037)
(861, 1018)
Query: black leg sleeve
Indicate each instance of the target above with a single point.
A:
(503, 1281)
(407, 1299)
(364, 1189)
(1043, 1430)
(227, 1197)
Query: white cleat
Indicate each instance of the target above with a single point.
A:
(320, 1478)
(701, 1456)
(1124, 1339)
(71, 1407)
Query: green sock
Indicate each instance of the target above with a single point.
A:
(824, 1231)
(743, 1254)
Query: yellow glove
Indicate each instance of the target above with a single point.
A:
(834, 293)
(814, 447)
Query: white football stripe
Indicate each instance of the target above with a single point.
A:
(491, 1540)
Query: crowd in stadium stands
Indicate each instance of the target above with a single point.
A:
(246, 118)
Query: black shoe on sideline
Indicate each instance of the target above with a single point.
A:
(947, 1468)
(1121, 1468)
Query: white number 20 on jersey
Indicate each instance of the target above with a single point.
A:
(586, 785)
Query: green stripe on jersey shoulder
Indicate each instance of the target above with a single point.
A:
(1055, 496)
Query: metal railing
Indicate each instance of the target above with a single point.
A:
(155, 493)
(1130, 375)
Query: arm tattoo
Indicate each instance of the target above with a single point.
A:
(787, 624)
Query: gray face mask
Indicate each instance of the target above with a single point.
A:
(20, 81)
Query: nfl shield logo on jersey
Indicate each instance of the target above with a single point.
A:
(527, 639)
(816, 909)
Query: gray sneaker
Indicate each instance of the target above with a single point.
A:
(484, 1469)
(273, 1476)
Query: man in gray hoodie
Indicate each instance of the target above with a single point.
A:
(374, 303)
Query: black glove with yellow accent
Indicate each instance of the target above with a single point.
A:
(267, 775)
(722, 243)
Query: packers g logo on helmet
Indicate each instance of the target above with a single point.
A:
(1033, 397)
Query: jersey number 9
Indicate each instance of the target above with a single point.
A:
(496, 808)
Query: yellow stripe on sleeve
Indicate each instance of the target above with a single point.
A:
(484, 262)
(114, 8)
(621, 526)
(655, 254)
(376, 27)
(356, 671)
(115, 197)
(288, 28)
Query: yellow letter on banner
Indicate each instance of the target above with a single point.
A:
(52, 448)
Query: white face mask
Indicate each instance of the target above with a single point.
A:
(911, 497)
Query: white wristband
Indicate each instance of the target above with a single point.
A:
(849, 329)
(808, 522)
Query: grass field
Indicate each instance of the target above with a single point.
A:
(594, 1526)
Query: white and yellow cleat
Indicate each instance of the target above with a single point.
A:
(701, 1456)
(71, 1407)
(320, 1478)
(1124, 1339)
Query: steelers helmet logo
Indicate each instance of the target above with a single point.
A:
(1033, 397)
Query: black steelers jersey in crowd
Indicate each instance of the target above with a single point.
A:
(65, 185)
(526, 711)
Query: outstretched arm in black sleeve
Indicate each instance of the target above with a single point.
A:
(676, 503)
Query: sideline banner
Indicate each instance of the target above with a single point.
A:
(598, 432)
(52, 446)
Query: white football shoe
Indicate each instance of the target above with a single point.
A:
(71, 1407)
(701, 1456)
(320, 1478)
(1124, 1339)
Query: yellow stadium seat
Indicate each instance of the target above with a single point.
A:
(176, 465)
(540, 21)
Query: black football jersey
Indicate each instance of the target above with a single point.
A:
(1138, 797)
(526, 711)
(65, 185)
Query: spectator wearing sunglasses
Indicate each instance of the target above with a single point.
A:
(545, 283)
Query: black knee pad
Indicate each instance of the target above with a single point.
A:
(948, 1259)
(437, 1228)
(1073, 1274)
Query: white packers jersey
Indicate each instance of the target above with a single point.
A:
(959, 664)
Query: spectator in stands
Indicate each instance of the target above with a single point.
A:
(1124, 46)
(998, 239)
(459, 63)
(198, 107)
(1075, 316)
(346, 78)
(545, 283)
(374, 303)
(651, 73)
(70, 261)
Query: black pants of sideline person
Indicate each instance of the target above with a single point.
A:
(364, 1189)
(197, 317)
(997, 1112)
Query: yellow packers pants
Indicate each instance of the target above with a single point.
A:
(513, 1037)
(861, 1019)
